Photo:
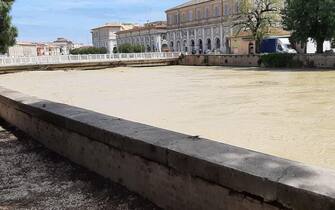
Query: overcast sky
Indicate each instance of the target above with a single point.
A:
(45, 20)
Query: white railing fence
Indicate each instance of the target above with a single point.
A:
(64, 59)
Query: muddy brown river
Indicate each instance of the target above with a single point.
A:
(283, 113)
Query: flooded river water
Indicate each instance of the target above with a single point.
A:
(282, 113)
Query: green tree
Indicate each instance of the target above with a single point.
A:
(257, 17)
(137, 48)
(88, 50)
(8, 33)
(125, 48)
(129, 48)
(310, 19)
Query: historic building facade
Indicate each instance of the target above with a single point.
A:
(23, 49)
(105, 36)
(152, 36)
(200, 26)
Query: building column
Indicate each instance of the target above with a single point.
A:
(159, 42)
(174, 41)
(212, 38)
(188, 44)
(222, 39)
(204, 45)
(196, 44)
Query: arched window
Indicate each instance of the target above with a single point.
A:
(165, 48)
(209, 44)
(201, 47)
(171, 46)
(192, 44)
(185, 46)
(217, 43)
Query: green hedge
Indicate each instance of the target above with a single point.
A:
(88, 50)
(280, 61)
(129, 48)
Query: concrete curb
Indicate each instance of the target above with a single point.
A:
(173, 170)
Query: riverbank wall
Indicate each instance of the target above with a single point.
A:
(312, 61)
(173, 170)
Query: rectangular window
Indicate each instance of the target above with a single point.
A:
(207, 12)
(226, 10)
(190, 15)
(198, 14)
(217, 11)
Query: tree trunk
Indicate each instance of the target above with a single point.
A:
(319, 48)
(258, 46)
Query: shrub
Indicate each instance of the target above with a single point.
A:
(129, 48)
(88, 50)
(280, 61)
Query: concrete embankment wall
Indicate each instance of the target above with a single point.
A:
(317, 60)
(86, 65)
(220, 60)
(173, 170)
(308, 60)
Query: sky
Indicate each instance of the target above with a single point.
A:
(45, 20)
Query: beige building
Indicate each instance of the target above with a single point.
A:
(152, 36)
(201, 25)
(49, 49)
(23, 49)
(105, 36)
(63, 45)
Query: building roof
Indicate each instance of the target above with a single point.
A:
(124, 26)
(62, 40)
(147, 26)
(24, 43)
(187, 4)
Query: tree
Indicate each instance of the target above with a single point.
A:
(257, 17)
(129, 48)
(8, 33)
(137, 48)
(88, 50)
(125, 48)
(310, 19)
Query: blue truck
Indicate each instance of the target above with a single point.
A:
(276, 45)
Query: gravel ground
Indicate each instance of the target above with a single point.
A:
(32, 177)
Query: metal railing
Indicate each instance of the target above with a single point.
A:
(65, 59)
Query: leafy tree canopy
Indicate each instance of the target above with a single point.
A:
(310, 19)
(8, 33)
(129, 48)
(257, 17)
(88, 50)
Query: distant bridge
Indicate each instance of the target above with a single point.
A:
(85, 61)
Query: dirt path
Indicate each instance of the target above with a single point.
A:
(32, 177)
